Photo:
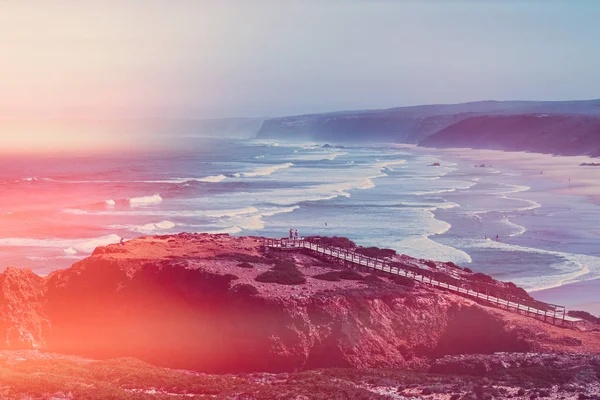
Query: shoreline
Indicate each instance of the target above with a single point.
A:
(571, 179)
(565, 170)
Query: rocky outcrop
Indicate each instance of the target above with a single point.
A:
(23, 323)
(191, 301)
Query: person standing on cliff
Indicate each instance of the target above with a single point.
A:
(291, 233)
(296, 235)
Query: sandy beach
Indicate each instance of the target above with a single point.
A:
(574, 179)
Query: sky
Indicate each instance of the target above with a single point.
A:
(250, 58)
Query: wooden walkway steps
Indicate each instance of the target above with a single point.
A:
(550, 313)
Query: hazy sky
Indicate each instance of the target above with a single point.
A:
(267, 58)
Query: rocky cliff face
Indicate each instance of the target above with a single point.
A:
(192, 301)
(357, 128)
(540, 133)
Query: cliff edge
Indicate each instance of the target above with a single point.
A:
(216, 303)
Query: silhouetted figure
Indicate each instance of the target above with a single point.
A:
(296, 234)
(291, 233)
(122, 242)
(497, 238)
(325, 223)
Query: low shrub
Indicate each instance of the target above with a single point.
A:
(241, 257)
(332, 276)
(402, 280)
(283, 272)
(586, 316)
(282, 277)
(479, 277)
(244, 289)
(336, 241)
(376, 252)
(372, 278)
(284, 265)
(336, 276)
(350, 275)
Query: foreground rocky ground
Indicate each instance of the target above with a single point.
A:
(217, 304)
(33, 375)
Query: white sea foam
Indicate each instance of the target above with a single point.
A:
(573, 268)
(179, 181)
(531, 205)
(70, 250)
(88, 245)
(231, 213)
(387, 165)
(328, 191)
(518, 229)
(279, 211)
(110, 203)
(79, 245)
(249, 219)
(145, 200)
(431, 206)
(336, 155)
(419, 178)
(424, 247)
(213, 178)
(155, 227)
(74, 211)
(464, 186)
(433, 192)
(265, 171)
(321, 156)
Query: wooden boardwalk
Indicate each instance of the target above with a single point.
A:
(551, 313)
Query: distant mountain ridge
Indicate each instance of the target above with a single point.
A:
(573, 127)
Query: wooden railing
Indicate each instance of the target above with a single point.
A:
(551, 313)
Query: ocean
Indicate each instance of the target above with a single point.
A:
(54, 210)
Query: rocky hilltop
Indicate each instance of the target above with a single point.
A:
(216, 303)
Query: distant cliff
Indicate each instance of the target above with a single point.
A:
(407, 124)
(361, 127)
(540, 133)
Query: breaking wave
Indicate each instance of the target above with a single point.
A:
(265, 171)
(155, 227)
(85, 246)
(145, 200)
